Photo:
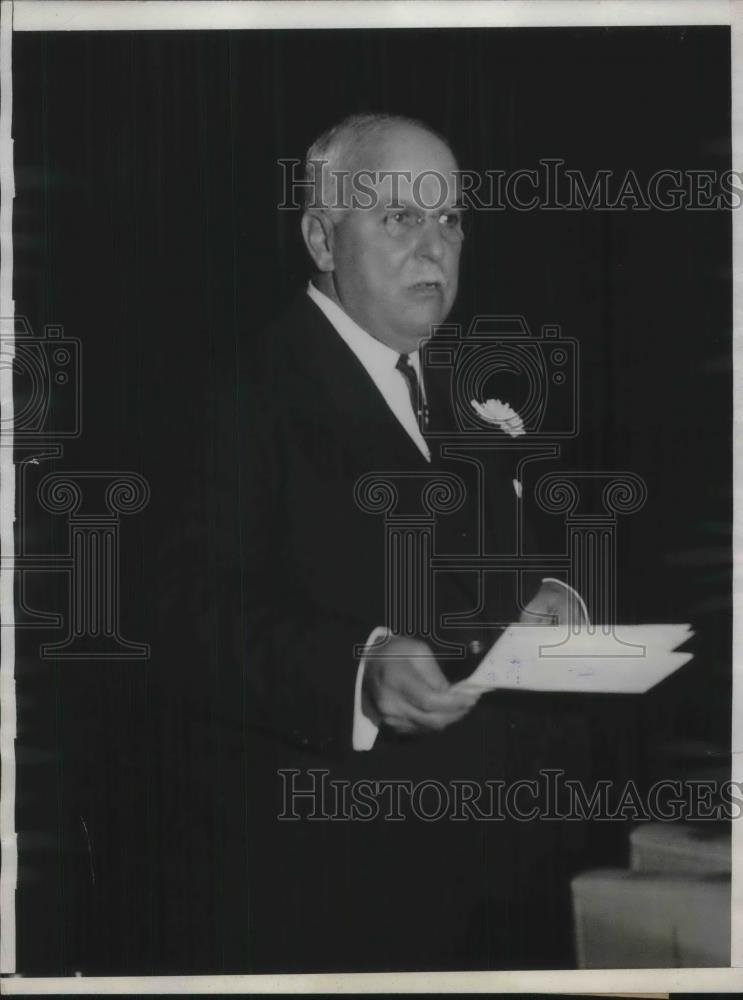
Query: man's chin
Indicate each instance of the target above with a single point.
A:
(410, 340)
(408, 324)
(422, 320)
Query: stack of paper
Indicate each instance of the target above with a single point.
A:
(630, 659)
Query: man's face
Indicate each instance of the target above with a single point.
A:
(396, 264)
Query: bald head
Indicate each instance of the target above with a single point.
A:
(342, 163)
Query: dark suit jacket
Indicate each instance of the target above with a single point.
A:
(314, 582)
(315, 558)
(296, 581)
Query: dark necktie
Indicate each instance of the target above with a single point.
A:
(420, 407)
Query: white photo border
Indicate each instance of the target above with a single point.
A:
(94, 15)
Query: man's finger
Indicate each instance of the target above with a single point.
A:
(400, 724)
(416, 721)
(427, 669)
(416, 692)
(540, 614)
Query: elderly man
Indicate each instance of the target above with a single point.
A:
(333, 692)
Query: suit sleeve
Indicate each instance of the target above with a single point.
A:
(300, 667)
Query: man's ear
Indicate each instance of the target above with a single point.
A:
(317, 230)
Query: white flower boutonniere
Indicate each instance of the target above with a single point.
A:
(496, 412)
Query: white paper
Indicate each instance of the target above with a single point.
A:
(629, 660)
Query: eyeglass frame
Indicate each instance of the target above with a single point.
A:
(421, 216)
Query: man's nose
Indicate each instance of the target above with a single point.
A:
(431, 242)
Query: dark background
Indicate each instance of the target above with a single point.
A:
(146, 224)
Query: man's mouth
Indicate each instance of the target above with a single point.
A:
(427, 286)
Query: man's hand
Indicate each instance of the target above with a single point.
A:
(404, 689)
(552, 605)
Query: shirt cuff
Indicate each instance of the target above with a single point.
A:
(364, 732)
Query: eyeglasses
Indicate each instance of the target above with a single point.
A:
(402, 223)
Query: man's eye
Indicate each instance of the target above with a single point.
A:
(401, 219)
(451, 220)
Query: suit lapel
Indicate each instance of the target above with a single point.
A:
(358, 405)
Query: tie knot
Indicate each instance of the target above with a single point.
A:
(404, 364)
